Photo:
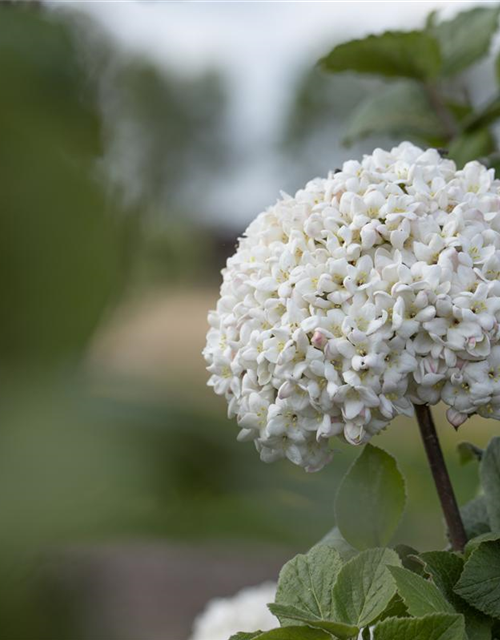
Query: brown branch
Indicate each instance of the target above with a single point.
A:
(441, 477)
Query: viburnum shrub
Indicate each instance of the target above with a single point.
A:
(371, 293)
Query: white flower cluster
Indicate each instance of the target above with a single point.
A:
(246, 611)
(370, 290)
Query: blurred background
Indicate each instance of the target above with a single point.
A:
(137, 141)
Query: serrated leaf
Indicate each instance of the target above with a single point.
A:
(466, 38)
(401, 110)
(285, 633)
(437, 626)
(402, 54)
(472, 545)
(371, 499)
(420, 596)
(306, 581)
(475, 517)
(338, 629)
(489, 472)
(479, 584)
(364, 587)
(445, 569)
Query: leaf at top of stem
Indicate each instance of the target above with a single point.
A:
(393, 54)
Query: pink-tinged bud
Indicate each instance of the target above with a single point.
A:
(456, 418)
(318, 340)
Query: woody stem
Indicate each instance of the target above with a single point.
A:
(456, 531)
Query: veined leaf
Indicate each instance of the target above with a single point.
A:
(306, 581)
(445, 568)
(479, 583)
(364, 587)
(286, 633)
(420, 596)
(338, 629)
(437, 626)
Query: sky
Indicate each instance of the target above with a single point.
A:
(260, 48)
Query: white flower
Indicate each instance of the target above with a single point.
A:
(370, 290)
(245, 611)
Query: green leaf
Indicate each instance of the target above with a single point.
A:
(497, 68)
(472, 545)
(471, 146)
(445, 569)
(371, 499)
(489, 472)
(409, 558)
(475, 517)
(400, 54)
(306, 581)
(466, 38)
(335, 540)
(401, 110)
(479, 583)
(395, 609)
(467, 452)
(286, 633)
(338, 629)
(420, 596)
(364, 587)
(437, 626)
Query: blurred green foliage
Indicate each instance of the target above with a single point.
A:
(63, 245)
(427, 98)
